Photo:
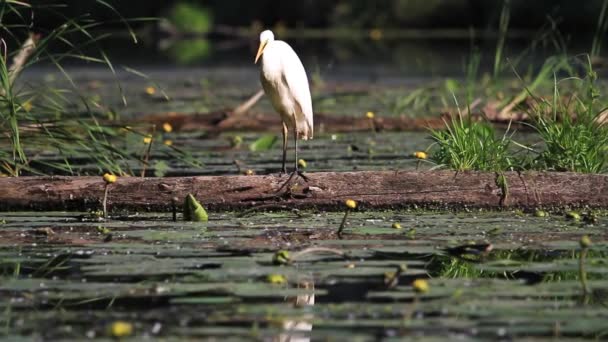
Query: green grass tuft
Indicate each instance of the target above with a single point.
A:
(573, 128)
(471, 145)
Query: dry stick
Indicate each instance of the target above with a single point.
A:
(20, 58)
(245, 106)
(241, 109)
(602, 118)
(309, 250)
(470, 107)
(506, 110)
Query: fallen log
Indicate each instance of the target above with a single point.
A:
(223, 121)
(324, 190)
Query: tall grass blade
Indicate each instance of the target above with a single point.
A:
(503, 29)
(600, 31)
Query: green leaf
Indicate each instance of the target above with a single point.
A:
(264, 143)
(194, 211)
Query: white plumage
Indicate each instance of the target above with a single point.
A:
(286, 84)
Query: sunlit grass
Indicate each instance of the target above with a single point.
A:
(573, 128)
(466, 144)
(64, 122)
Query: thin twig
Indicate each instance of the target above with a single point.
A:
(240, 110)
(309, 250)
(245, 106)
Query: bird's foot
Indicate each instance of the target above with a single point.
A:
(296, 173)
(302, 175)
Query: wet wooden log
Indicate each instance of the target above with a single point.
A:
(223, 121)
(324, 190)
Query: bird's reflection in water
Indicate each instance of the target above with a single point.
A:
(299, 330)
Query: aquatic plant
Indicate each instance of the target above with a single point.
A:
(108, 179)
(350, 205)
(573, 127)
(466, 144)
(35, 116)
(52, 118)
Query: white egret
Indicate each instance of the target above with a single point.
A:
(285, 82)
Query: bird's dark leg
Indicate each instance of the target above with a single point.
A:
(296, 170)
(296, 164)
(283, 169)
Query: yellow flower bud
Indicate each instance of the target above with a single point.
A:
(27, 106)
(281, 258)
(167, 127)
(147, 139)
(420, 155)
(120, 329)
(150, 90)
(249, 172)
(302, 163)
(236, 141)
(573, 215)
(370, 115)
(396, 225)
(420, 286)
(109, 178)
(585, 241)
(168, 142)
(276, 279)
(375, 34)
(350, 204)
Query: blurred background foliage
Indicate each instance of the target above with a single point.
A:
(575, 16)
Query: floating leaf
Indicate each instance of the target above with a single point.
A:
(264, 143)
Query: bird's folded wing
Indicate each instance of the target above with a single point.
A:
(296, 80)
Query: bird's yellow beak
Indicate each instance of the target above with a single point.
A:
(260, 51)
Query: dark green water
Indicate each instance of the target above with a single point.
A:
(209, 281)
